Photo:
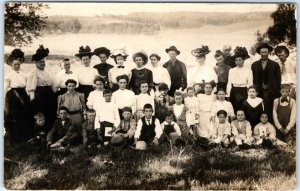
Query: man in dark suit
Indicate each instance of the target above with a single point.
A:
(177, 71)
(267, 77)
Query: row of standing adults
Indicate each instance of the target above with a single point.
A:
(39, 85)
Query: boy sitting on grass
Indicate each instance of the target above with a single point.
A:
(264, 133)
(124, 133)
(89, 134)
(39, 131)
(63, 132)
(222, 130)
(241, 131)
(148, 130)
(171, 130)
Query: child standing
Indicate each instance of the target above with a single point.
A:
(123, 97)
(143, 98)
(107, 118)
(89, 133)
(205, 102)
(241, 130)
(124, 133)
(222, 104)
(253, 106)
(39, 131)
(163, 102)
(63, 132)
(180, 111)
(96, 96)
(222, 129)
(284, 115)
(192, 104)
(264, 132)
(148, 130)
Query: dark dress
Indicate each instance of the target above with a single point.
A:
(137, 76)
(229, 61)
(103, 69)
(178, 75)
(271, 78)
(222, 72)
(253, 113)
(18, 119)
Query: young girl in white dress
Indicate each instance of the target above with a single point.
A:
(192, 104)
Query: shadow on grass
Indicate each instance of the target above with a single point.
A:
(110, 168)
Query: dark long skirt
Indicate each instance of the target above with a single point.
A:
(237, 96)
(18, 119)
(86, 90)
(45, 103)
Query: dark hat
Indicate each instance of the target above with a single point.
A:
(41, 53)
(241, 52)
(102, 50)
(264, 45)
(16, 54)
(173, 48)
(141, 54)
(84, 52)
(279, 49)
(218, 53)
(200, 51)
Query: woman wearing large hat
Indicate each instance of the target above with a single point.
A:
(239, 78)
(119, 56)
(140, 73)
(40, 87)
(103, 53)
(267, 77)
(86, 74)
(16, 99)
(202, 73)
(177, 71)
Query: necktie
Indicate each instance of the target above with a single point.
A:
(284, 99)
(120, 66)
(283, 69)
(148, 121)
(164, 101)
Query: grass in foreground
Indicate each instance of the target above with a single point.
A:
(111, 168)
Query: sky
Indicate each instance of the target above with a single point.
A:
(92, 9)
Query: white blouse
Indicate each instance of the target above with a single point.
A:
(123, 98)
(14, 80)
(94, 98)
(205, 102)
(114, 72)
(198, 74)
(62, 77)
(239, 77)
(86, 75)
(143, 99)
(161, 75)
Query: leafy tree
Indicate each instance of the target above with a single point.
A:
(284, 28)
(23, 22)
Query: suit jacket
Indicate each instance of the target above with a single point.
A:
(273, 74)
(177, 73)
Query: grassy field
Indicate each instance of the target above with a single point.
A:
(162, 168)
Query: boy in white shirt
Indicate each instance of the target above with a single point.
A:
(264, 133)
(143, 98)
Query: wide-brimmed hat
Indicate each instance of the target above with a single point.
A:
(173, 48)
(41, 53)
(264, 45)
(119, 52)
(141, 54)
(279, 49)
(241, 52)
(84, 52)
(16, 54)
(198, 52)
(102, 50)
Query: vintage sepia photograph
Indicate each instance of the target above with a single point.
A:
(149, 96)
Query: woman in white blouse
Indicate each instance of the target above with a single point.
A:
(202, 73)
(16, 99)
(160, 74)
(239, 78)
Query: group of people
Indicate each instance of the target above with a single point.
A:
(226, 105)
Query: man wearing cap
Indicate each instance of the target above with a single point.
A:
(228, 60)
(103, 53)
(287, 67)
(177, 71)
(267, 77)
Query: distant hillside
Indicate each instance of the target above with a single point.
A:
(146, 23)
